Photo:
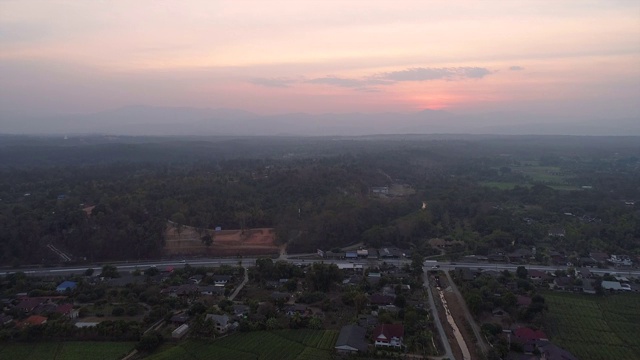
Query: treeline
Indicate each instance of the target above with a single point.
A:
(315, 192)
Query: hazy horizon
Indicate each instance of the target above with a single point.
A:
(570, 67)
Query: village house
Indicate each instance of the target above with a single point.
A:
(33, 320)
(221, 280)
(563, 283)
(240, 310)
(28, 304)
(374, 278)
(381, 300)
(442, 243)
(474, 258)
(125, 280)
(390, 253)
(520, 255)
(351, 340)
(300, 309)
(538, 276)
(86, 324)
(353, 280)
(211, 290)
(221, 322)
(179, 318)
(388, 335)
(276, 295)
(620, 260)
(66, 286)
(588, 262)
(499, 312)
(557, 257)
(333, 255)
(525, 335)
(584, 273)
(380, 190)
(599, 257)
(363, 253)
(181, 290)
(496, 257)
(556, 232)
(67, 310)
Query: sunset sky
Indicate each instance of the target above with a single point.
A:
(567, 58)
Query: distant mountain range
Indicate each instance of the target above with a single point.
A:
(150, 120)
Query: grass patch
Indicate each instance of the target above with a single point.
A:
(502, 185)
(595, 328)
(544, 174)
(80, 350)
(565, 187)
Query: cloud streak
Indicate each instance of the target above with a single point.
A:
(360, 84)
(369, 83)
(429, 74)
(273, 82)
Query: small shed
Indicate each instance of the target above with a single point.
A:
(180, 331)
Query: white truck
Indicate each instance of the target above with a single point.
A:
(432, 263)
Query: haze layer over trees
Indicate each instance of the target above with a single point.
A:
(111, 198)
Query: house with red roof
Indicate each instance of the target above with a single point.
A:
(389, 335)
(67, 310)
(34, 320)
(28, 304)
(538, 276)
(525, 335)
(523, 301)
(379, 299)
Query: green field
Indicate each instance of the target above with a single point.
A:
(261, 345)
(595, 328)
(551, 176)
(76, 350)
(543, 174)
(502, 185)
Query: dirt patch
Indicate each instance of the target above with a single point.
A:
(187, 241)
(455, 349)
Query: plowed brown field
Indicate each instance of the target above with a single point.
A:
(225, 242)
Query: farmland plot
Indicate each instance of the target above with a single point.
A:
(261, 345)
(595, 328)
(66, 350)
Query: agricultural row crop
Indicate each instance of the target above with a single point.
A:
(595, 328)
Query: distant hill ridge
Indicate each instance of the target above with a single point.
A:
(162, 121)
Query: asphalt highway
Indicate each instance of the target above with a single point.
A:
(163, 264)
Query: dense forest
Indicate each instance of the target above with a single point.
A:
(111, 198)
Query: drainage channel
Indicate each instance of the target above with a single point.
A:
(456, 331)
